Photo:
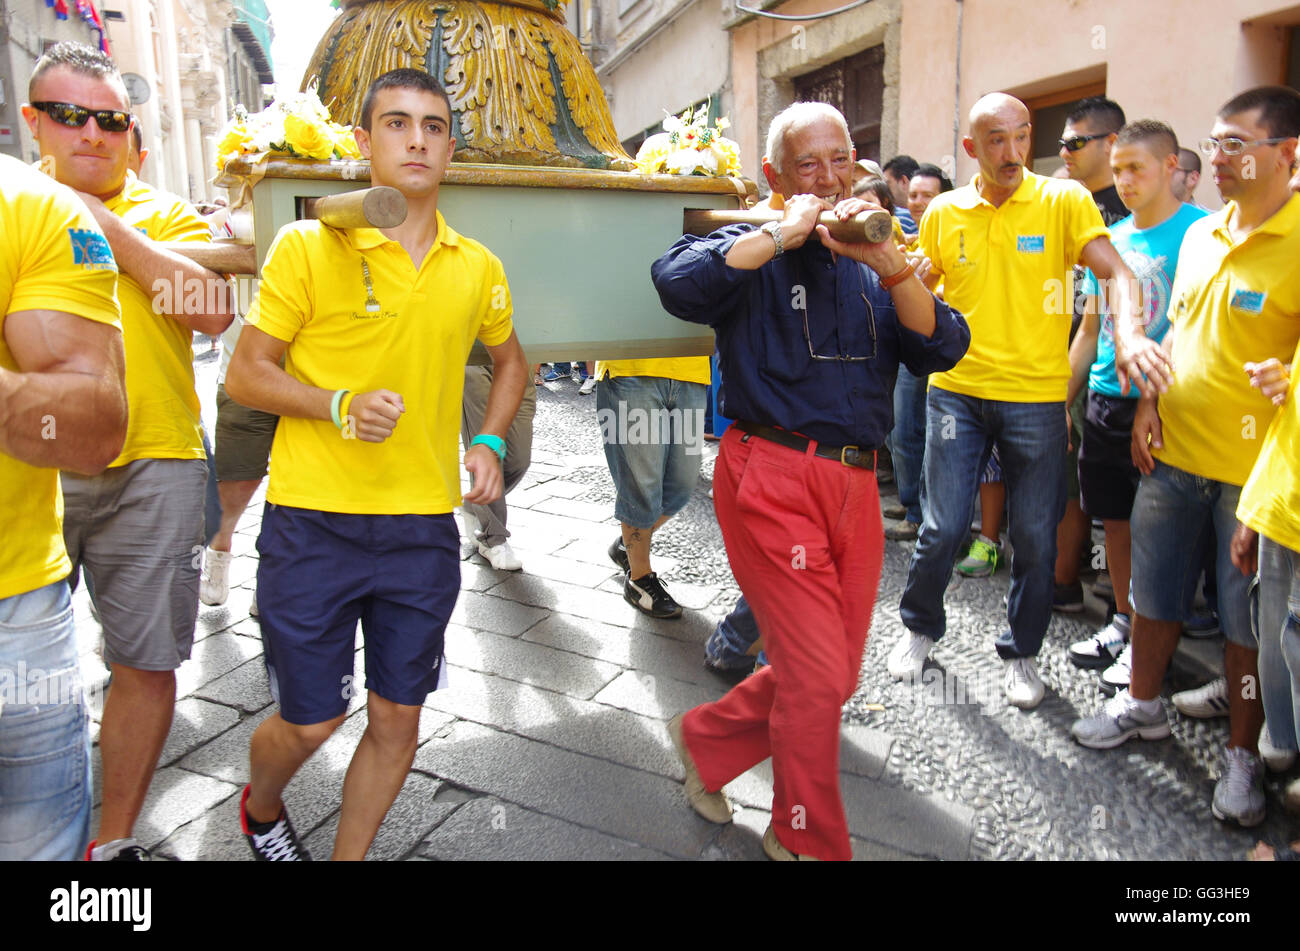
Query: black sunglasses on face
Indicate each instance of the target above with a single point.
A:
(1076, 142)
(74, 117)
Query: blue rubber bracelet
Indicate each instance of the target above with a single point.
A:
(495, 443)
(334, 406)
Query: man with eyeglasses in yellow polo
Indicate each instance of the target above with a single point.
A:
(136, 529)
(1235, 301)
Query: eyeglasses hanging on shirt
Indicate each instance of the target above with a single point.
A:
(841, 357)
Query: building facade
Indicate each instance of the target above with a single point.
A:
(906, 72)
(655, 57)
(193, 62)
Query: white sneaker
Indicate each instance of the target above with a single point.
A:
(1277, 760)
(907, 659)
(1117, 675)
(469, 543)
(588, 385)
(1022, 684)
(501, 557)
(1203, 703)
(1239, 793)
(214, 585)
(1120, 718)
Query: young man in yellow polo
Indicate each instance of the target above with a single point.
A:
(136, 529)
(1001, 245)
(1235, 300)
(374, 328)
(62, 406)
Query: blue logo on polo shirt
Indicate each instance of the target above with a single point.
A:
(1252, 302)
(90, 249)
(1029, 243)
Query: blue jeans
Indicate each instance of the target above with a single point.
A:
(907, 441)
(1279, 642)
(960, 432)
(45, 783)
(727, 647)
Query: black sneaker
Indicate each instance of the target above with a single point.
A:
(128, 853)
(272, 841)
(1067, 598)
(618, 555)
(648, 596)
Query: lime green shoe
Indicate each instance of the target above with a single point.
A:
(982, 560)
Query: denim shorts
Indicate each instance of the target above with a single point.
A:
(653, 430)
(319, 573)
(1169, 517)
(45, 783)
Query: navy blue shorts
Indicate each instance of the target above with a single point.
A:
(322, 572)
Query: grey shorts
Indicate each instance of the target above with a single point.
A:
(136, 532)
(244, 438)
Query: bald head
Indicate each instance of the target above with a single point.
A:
(1000, 139)
(997, 110)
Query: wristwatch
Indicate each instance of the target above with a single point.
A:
(773, 228)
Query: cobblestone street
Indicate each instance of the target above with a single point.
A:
(550, 741)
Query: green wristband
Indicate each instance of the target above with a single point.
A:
(495, 443)
(334, 406)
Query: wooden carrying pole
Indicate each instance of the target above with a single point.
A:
(872, 226)
(378, 207)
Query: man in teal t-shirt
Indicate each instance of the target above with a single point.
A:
(1144, 160)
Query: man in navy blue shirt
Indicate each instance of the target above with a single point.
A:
(810, 335)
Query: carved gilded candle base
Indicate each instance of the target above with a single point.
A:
(522, 91)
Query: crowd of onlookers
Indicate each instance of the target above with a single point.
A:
(1052, 354)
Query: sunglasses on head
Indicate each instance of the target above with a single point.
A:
(65, 113)
(1076, 142)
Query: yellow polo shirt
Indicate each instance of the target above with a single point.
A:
(1008, 270)
(52, 257)
(164, 422)
(686, 369)
(358, 314)
(1270, 501)
(1231, 303)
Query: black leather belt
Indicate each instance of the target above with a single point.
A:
(855, 456)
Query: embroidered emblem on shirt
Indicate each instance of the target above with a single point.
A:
(90, 249)
(961, 247)
(1252, 302)
(372, 303)
(1029, 243)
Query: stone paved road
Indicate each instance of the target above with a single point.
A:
(550, 742)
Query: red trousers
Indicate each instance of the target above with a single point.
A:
(803, 536)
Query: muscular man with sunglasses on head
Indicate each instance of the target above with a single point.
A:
(136, 530)
(810, 336)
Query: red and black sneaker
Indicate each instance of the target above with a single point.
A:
(272, 841)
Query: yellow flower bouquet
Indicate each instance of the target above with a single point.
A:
(689, 146)
(298, 126)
